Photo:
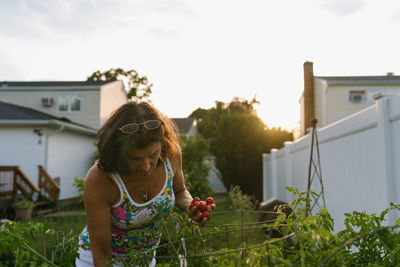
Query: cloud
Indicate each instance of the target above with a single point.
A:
(49, 18)
(342, 8)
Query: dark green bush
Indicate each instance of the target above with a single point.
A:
(195, 166)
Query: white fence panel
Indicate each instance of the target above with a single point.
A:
(358, 162)
(281, 183)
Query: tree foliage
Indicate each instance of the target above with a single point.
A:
(138, 87)
(277, 137)
(195, 167)
(239, 143)
(210, 117)
(238, 138)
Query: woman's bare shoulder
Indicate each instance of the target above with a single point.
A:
(98, 182)
(97, 175)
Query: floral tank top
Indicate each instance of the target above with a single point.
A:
(133, 224)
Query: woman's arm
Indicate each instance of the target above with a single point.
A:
(97, 196)
(182, 196)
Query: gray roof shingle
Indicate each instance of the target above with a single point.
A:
(380, 80)
(50, 83)
(10, 112)
(184, 124)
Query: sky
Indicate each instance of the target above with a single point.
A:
(198, 52)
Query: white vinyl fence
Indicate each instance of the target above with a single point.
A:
(359, 157)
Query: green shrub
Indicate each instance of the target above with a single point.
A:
(22, 203)
(36, 244)
(78, 183)
(308, 239)
(195, 166)
(241, 201)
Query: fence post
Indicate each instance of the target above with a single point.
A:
(274, 175)
(265, 175)
(386, 143)
(288, 170)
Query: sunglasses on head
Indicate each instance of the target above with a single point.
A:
(134, 127)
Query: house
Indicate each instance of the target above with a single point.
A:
(187, 126)
(54, 124)
(332, 98)
(85, 102)
(29, 138)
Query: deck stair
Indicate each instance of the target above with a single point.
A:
(15, 183)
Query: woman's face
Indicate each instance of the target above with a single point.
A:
(142, 162)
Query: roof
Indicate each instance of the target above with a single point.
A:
(51, 83)
(389, 79)
(13, 86)
(184, 124)
(14, 114)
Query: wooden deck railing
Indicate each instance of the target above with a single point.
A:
(49, 189)
(12, 178)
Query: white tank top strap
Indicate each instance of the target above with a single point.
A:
(169, 166)
(121, 186)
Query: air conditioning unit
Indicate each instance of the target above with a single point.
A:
(47, 101)
(357, 97)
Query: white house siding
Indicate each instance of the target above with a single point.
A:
(359, 156)
(90, 104)
(337, 105)
(26, 99)
(69, 155)
(193, 130)
(320, 100)
(20, 146)
(112, 95)
(90, 108)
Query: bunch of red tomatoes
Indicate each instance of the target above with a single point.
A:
(201, 206)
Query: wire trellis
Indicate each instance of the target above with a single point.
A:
(314, 169)
(186, 252)
(187, 248)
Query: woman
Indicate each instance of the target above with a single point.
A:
(136, 180)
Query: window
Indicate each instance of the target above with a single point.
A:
(69, 103)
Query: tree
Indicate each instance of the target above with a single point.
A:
(277, 137)
(238, 138)
(239, 143)
(195, 167)
(138, 87)
(209, 118)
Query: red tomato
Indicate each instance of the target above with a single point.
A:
(197, 212)
(196, 204)
(191, 206)
(196, 199)
(206, 214)
(210, 201)
(202, 206)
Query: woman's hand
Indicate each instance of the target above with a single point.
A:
(201, 211)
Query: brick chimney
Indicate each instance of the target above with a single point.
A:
(308, 95)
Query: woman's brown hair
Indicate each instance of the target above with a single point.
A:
(114, 146)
